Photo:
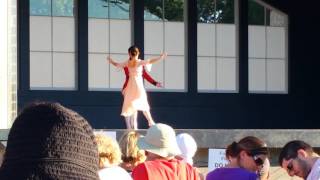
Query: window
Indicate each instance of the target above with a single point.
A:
(217, 59)
(109, 34)
(164, 32)
(52, 45)
(268, 49)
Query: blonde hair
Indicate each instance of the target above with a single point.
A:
(108, 150)
(130, 151)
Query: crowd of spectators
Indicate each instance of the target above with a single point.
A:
(50, 141)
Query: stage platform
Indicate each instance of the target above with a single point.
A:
(220, 138)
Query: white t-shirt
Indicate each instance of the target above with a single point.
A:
(114, 172)
(315, 171)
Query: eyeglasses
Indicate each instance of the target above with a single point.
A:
(259, 161)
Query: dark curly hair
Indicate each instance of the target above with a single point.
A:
(290, 150)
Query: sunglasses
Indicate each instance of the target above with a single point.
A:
(290, 166)
(259, 161)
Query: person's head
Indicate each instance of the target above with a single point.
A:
(109, 151)
(159, 142)
(130, 152)
(188, 147)
(293, 158)
(133, 51)
(230, 156)
(49, 141)
(249, 153)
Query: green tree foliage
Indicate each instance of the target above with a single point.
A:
(255, 13)
(209, 11)
(216, 11)
(206, 11)
(173, 9)
(155, 7)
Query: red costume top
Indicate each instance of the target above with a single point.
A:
(145, 75)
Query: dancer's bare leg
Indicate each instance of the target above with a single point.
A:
(128, 123)
(134, 121)
(148, 116)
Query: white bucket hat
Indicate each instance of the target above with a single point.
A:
(188, 147)
(161, 140)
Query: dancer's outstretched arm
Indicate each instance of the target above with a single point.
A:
(119, 65)
(112, 61)
(156, 59)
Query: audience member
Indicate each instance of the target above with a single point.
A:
(246, 158)
(131, 154)
(2, 150)
(161, 147)
(49, 141)
(109, 159)
(188, 148)
(298, 159)
(232, 158)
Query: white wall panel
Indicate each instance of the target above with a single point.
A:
(174, 38)
(226, 40)
(98, 35)
(175, 72)
(276, 42)
(156, 73)
(276, 74)
(226, 74)
(63, 34)
(117, 76)
(40, 70)
(120, 36)
(98, 71)
(40, 33)
(206, 39)
(153, 37)
(64, 73)
(206, 73)
(257, 41)
(257, 75)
